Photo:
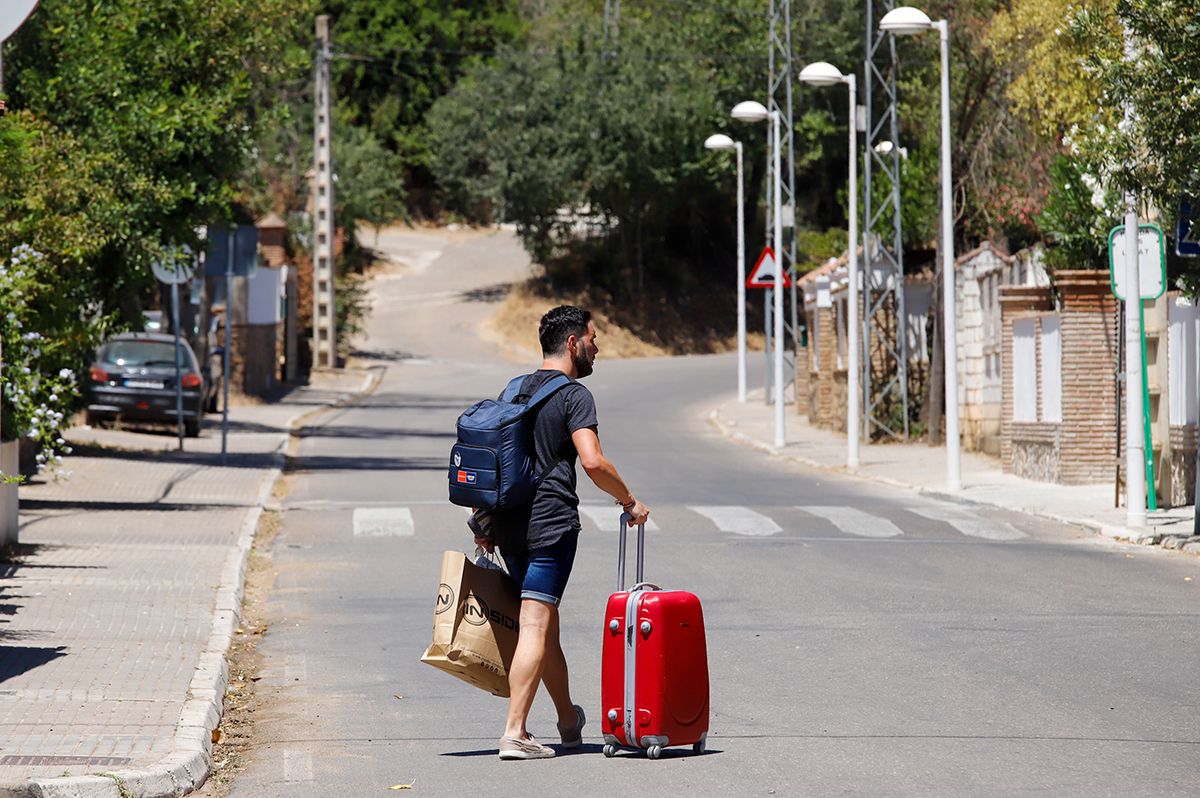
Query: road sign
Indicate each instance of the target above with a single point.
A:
(245, 255)
(1187, 229)
(12, 14)
(174, 265)
(1152, 261)
(763, 273)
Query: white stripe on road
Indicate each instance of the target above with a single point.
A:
(739, 520)
(378, 522)
(608, 516)
(856, 522)
(969, 524)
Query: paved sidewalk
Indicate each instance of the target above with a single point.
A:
(923, 468)
(118, 607)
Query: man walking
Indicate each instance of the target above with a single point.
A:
(539, 555)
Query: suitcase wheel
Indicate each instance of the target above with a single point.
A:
(610, 750)
(698, 747)
(654, 751)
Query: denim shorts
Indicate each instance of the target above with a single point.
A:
(542, 573)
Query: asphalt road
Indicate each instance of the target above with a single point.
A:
(862, 640)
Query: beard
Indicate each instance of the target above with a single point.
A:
(583, 363)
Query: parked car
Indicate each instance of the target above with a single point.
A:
(133, 378)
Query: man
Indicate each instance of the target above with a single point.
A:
(539, 555)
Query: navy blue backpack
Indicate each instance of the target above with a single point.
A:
(493, 466)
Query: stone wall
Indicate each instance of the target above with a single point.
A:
(1036, 451)
(1182, 465)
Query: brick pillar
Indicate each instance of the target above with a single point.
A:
(1089, 363)
(827, 360)
(1017, 302)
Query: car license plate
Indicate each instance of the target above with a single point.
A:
(144, 384)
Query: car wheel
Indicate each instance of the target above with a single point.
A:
(191, 427)
(93, 420)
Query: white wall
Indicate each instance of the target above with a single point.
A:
(1025, 370)
(1183, 363)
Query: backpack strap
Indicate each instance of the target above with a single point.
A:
(547, 390)
(541, 395)
(513, 388)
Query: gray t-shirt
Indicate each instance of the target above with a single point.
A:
(555, 508)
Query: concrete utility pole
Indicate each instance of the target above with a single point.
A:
(324, 309)
(1135, 441)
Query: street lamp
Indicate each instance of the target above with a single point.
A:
(903, 21)
(750, 111)
(825, 74)
(720, 141)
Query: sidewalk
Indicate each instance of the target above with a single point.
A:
(922, 468)
(122, 597)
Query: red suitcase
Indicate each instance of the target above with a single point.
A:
(654, 668)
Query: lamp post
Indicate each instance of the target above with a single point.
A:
(825, 74)
(902, 21)
(750, 111)
(720, 141)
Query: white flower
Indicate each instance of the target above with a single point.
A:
(53, 397)
(66, 374)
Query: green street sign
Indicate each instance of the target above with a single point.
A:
(1152, 261)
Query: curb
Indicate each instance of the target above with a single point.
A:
(188, 765)
(1138, 536)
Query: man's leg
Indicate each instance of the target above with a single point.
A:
(555, 676)
(528, 663)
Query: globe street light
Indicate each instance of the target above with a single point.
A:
(903, 21)
(720, 141)
(825, 74)
(750, 111)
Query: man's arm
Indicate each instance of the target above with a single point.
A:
(604, 473)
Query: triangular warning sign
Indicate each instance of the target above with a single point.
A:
(763, 274)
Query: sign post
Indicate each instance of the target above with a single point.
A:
(763, 276)
(1152, 272)
(176, 265)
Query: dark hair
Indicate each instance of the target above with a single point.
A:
(559, 324)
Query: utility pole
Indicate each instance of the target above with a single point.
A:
(1135, 441)
(324, 309)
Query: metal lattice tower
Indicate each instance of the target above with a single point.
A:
(885, 364)
(779, 98)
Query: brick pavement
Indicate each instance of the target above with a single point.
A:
(118, 605)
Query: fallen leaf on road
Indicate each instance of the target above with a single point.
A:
(400, 787)
(216, 735)
(1187, 579)
(1129, 556)
(399, 696)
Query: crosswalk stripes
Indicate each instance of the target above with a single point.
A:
(969, 524)
(607, 516)
(377, 522)
(738, 520)
(398, 521)
(855, 522)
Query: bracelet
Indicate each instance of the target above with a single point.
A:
(626, 505)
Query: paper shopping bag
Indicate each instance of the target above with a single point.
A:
(474, 624)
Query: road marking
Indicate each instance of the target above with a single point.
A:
(855, 522)
(739, 520)
(297, 766)
(970, 525)
(607, 516)
(379, 522)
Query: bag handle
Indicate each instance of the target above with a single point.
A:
(553, 384)
(641, 552)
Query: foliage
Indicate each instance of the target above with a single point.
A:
(1077, 217)
(815, 247)
(1154, 153)
(370, 186)
(161, 91)
(1051, 86)
(38, 373)
(399, 56)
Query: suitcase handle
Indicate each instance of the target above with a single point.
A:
(641, 552)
